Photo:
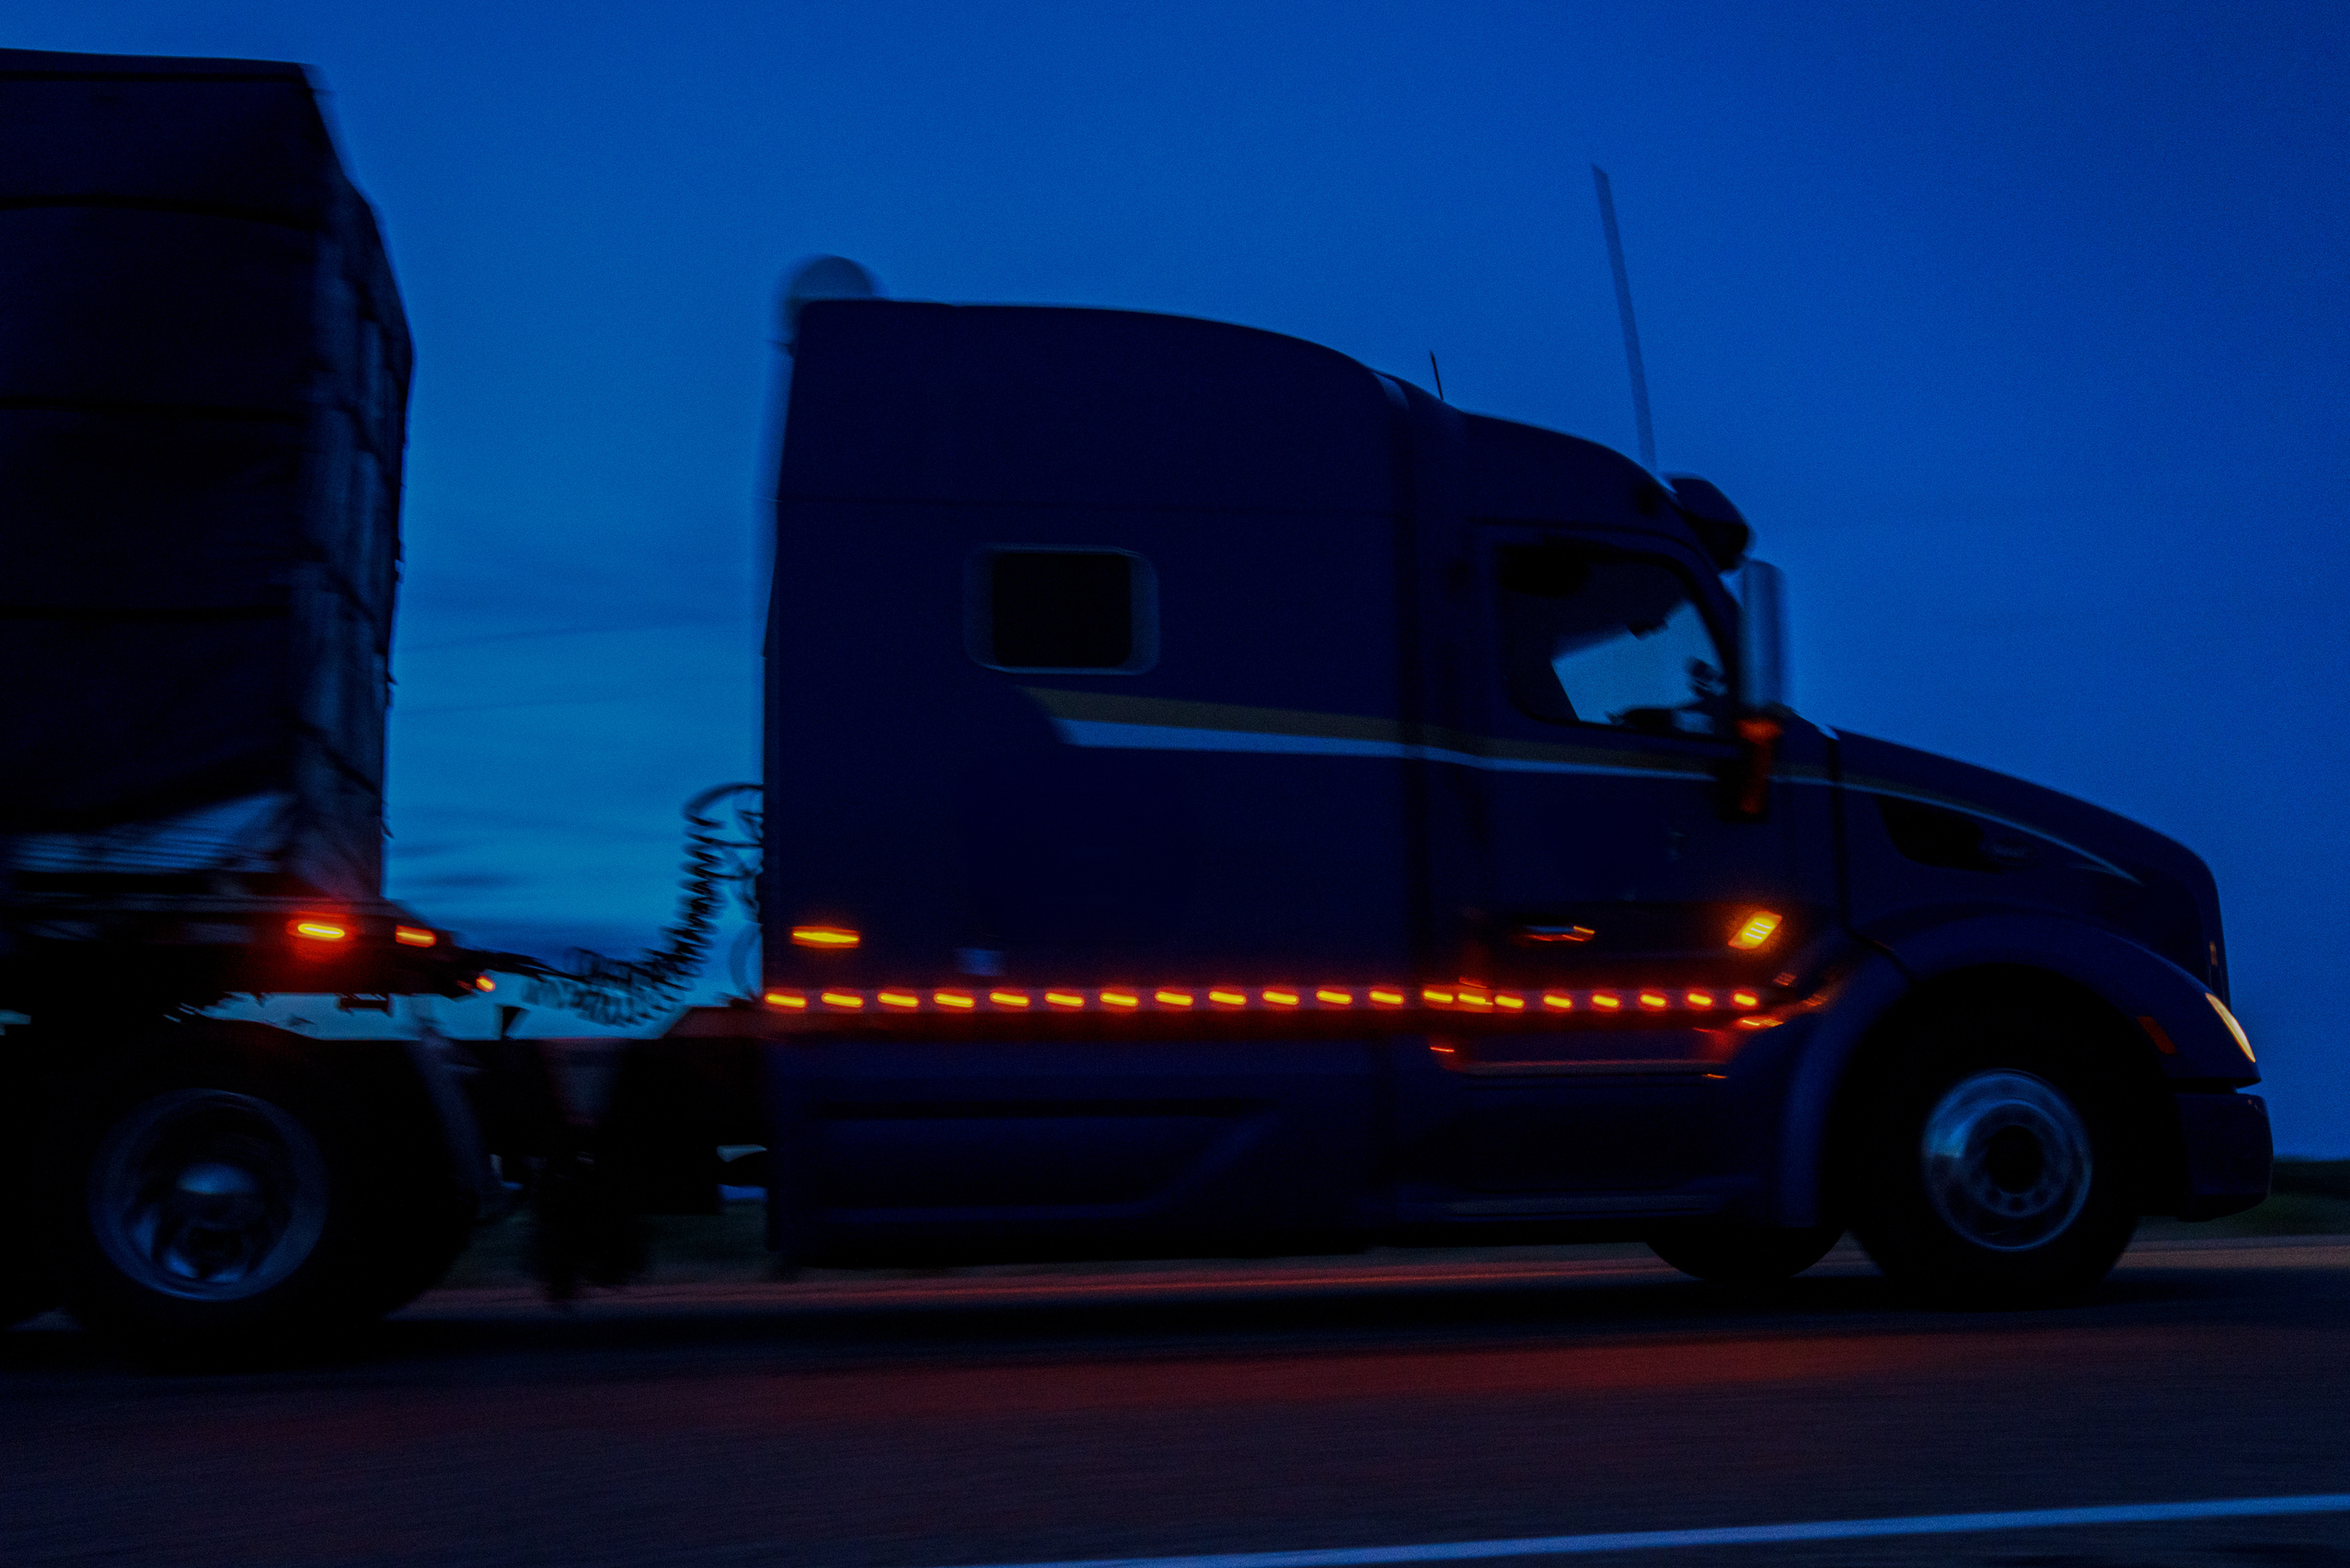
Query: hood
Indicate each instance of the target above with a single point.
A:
(2151, 887)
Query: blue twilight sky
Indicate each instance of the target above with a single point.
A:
(2019, 330)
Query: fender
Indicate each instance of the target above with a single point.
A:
(2140, 984)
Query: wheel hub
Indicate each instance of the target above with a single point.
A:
(2006, 1160)
(206, 1194)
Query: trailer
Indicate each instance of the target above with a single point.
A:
(1219, 800)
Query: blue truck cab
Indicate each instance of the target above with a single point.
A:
(1223, 799)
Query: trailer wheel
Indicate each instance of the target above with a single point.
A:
(1992, 1167)
(241, 1205)
(1730, 1252)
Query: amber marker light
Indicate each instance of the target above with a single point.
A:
(483, 982)
(415, 936)
(1745, 999)
(824, 937)
(1172, 998)
(1607, 1001)
(1008, 998)
(1700, 999)
(1331, 996)
(1654, 1000)
(1064, 1000)
(2244, 1041)
(1557, 1002)
(320, 930)
(1281, 999)
(900, 1000)
(848, 1001)
(1435, 996)
(1387, 997)
(1120, 1000)
(1508, 1001)
(962, 1001)
(789, 1000)
(1754, 930)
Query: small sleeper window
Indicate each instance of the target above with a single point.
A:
(1035, 609)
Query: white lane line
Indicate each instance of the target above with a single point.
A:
(1738, 1535)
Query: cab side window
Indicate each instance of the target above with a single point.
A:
(1061, 611)
(1595, 637)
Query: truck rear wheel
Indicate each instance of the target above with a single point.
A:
(1730, 1252)
(1990, 1169)
(241, 1204)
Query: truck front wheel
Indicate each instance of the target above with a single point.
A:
(1991, 1171)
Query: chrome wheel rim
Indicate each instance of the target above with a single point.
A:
(2006, 1160)
(208, 1195)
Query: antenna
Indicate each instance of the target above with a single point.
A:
(1437, 374)
(1624, 309)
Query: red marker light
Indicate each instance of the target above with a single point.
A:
(1607, 1001)
(848, 1001)
(1700, 999)
(415, 936)
(1008, 998)
(1282, 997)
(1120, 1000)
(824, 937)
(791, 1001)
(1745, 999)
(320, 930)
(1559, 1000)
(900, 1000)
(960, 1000)
(1387, 997)
(1331, 996)
(483, 982)
(1065, 998)
(1652, 1000)
(1172, 998)
(1508, 1001)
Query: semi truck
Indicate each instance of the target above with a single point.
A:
(1218, 799)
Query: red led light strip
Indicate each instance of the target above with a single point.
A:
(1736, 1005)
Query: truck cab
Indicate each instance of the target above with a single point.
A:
(1220, 796)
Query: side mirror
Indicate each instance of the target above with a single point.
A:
(1762, 695)
(1762, 635)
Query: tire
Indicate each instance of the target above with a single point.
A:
(22, 1301)
(1730, 1252)
(1992, 1165)
(28, 1271)
(245, 1201)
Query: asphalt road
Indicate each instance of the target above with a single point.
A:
(1017, 1419)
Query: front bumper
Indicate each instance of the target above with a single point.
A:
(2226, 1141)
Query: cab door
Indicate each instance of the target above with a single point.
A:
(1628, 918)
